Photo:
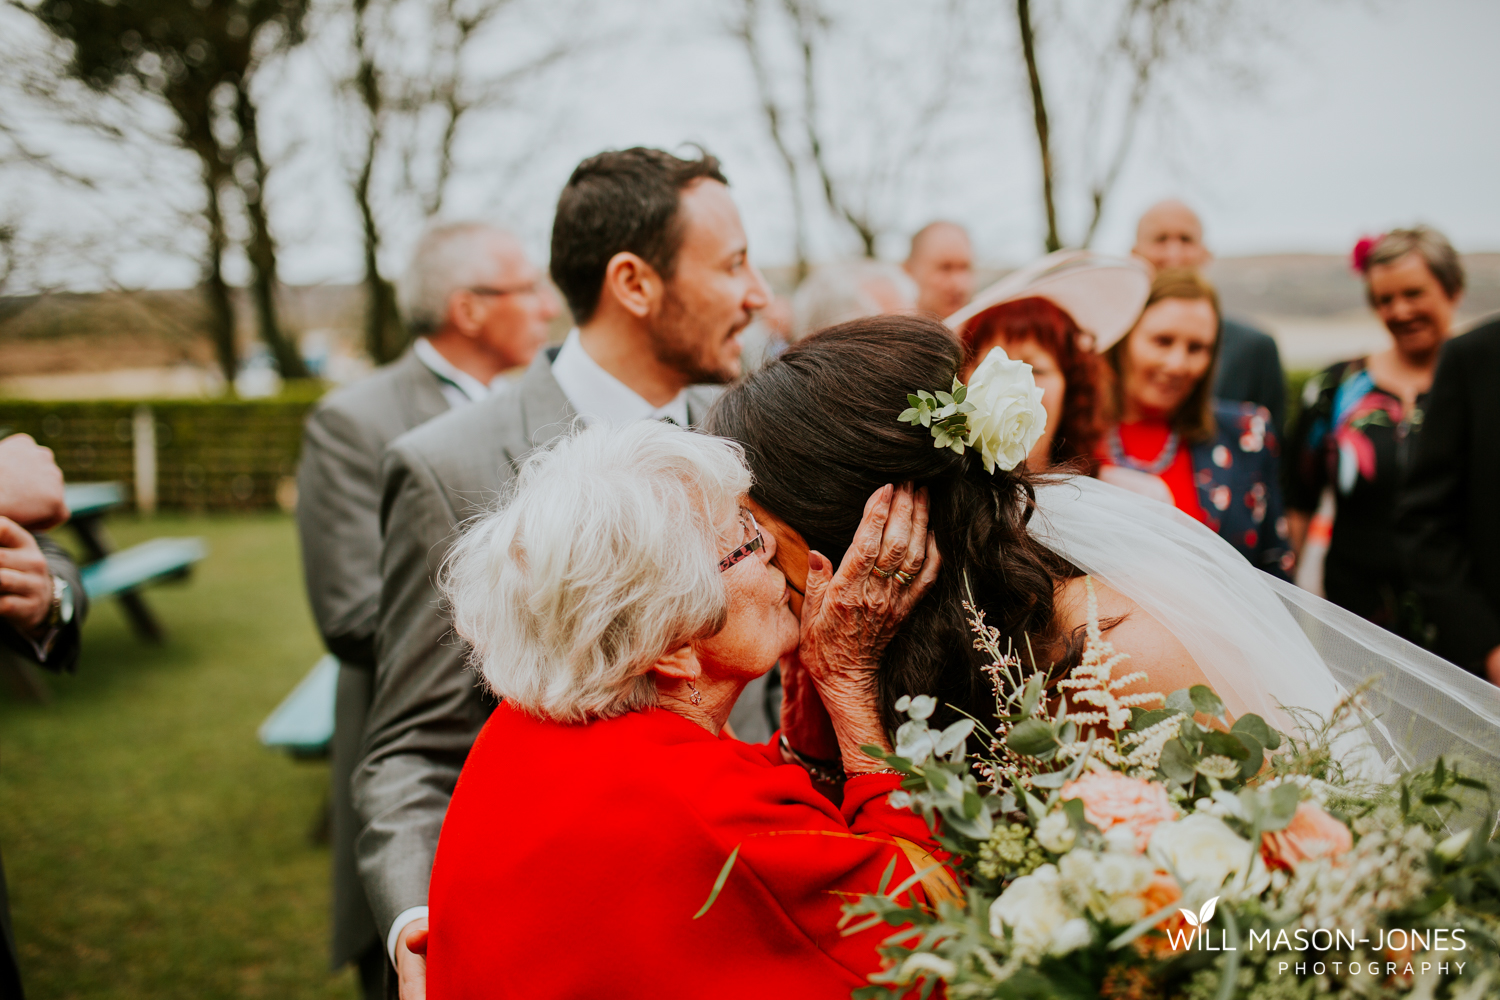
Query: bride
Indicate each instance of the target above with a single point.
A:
(823, 429)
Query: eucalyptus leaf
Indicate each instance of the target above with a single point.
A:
(1143, 718)
(1225, 744)
(922, 706)
(1177, 762)
(1031, 695)
(1205, 701)
(1181, 701)
(1256, 727)
(1254, 760)
(908, 416)
(1052, 779)
(1032, 738)
(915, 401)
(946, 398)
(953, 737)
(959, 391)
(1284, 801)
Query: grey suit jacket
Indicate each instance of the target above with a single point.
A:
(427, 707)
(62, 656)
(338, 497)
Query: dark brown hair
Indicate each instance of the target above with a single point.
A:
(618, 201)
(1076, 439)
(1194, 419)
(819, 429)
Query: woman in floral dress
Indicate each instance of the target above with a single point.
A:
(1358, 422)
(1168, 438)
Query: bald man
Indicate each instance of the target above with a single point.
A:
(1170, 235)
(941, 262)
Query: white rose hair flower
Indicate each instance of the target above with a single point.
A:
(999, 411)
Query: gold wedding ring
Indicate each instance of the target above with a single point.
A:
(884, 574)
(903, 577)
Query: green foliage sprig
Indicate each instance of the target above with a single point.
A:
(945, 414)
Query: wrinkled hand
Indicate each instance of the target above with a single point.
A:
(25, 580)
(804, 718)
(411, 960)
(849, 617)
(31, 484)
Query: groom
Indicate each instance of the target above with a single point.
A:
(649, 252)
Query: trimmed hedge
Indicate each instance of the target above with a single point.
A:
(211, 454)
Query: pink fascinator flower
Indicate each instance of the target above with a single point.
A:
(1361, 256)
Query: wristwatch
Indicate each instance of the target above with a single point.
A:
(61, 612)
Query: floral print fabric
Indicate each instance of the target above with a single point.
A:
(1238, 480)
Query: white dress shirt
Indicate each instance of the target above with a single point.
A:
(599, 397)
(459, 387)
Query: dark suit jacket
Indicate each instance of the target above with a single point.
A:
(63, 655)
(427, 707)
(1448, 512)
(1250, 370)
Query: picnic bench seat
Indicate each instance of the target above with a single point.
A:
(107, 573)
(302, 724)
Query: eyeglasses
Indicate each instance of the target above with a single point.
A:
(530, 288)
(753, 545)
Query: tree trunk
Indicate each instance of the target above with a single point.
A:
(385, 335)
(747, 34)
(215, 289)
(261, 247)
(1039, 106)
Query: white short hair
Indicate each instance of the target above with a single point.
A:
(448, 257)
(604, 558)
(836, 293)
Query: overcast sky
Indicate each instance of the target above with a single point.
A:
(1369, 114)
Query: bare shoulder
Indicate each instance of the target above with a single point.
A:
(1149, 644)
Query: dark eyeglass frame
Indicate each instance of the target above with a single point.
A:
(530, 288)
(752, 546)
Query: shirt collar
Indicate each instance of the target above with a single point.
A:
(599, 397)
(458, 385)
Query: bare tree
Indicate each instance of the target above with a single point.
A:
(798, 36)
(1146, 41)
(416, 81)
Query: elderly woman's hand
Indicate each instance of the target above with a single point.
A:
(849, 617)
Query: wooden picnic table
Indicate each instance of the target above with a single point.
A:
(120, 574)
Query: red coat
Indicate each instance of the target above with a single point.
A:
(573, 858)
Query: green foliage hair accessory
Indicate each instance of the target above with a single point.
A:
(946, 414)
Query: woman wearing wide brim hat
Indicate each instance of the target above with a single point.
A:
(1055, 314)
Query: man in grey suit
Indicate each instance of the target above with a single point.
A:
(649, 251)
(478, 307)
(1170, 235)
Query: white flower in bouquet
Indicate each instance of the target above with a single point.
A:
(1109, 885)
(1200, 848)
(1040, 919)
(1055, 833)
(1008, 418)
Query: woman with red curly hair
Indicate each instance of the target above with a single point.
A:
(1055, 314)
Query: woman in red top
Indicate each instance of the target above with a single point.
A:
(1214, 460)
(618, 604)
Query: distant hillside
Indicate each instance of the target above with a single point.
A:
(82, 333)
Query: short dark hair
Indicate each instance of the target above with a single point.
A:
(1432, 246)
(620, 201)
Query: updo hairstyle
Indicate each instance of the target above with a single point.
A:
(819, 429)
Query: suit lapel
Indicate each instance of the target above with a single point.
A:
(421, 394)
(545, 411)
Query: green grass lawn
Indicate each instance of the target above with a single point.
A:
(153, 847)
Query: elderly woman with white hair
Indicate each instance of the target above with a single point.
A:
(617, 603)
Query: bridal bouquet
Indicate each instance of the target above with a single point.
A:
(1136, 847)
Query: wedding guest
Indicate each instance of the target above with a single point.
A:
(42, 601)
(1358, 423)
(618, 603)
(838, 292)
(1030, 315)
(1170, 236)
(1167, 436)
(649, 252)
(941, 262)
(477, 307)
(1446, 525)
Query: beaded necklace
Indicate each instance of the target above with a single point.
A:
(1156, 467)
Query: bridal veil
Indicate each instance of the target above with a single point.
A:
(1264, 643)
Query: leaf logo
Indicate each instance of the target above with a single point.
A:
(1203, 916)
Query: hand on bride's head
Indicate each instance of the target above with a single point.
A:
(851, 615)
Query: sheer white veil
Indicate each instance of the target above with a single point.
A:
(1264, 643)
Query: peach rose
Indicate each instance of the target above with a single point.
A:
(1111, 799)
(1162, 891)
(1312, 833)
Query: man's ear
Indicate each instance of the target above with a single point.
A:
(680, 664)
(464, 312)
(633, 283)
